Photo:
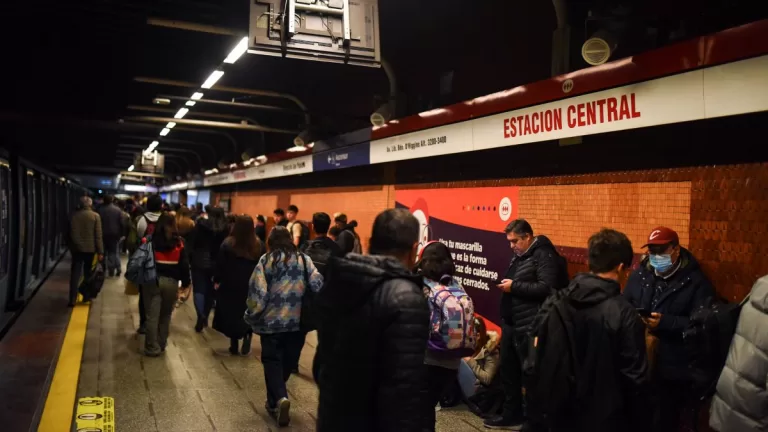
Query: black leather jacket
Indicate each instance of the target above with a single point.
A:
(372, 336)
(535, 274)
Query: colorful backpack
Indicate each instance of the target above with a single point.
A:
(452, 334)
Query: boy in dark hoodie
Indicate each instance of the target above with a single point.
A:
(373, 328)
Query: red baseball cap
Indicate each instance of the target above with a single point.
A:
(661, 236)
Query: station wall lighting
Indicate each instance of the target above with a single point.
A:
(181, 113)
(165, 132)
(237, 51)
(215, 76)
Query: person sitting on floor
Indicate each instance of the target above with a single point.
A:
(478, 375)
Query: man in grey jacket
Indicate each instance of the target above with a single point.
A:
(113, 225)
(741, 402)
(85, 241)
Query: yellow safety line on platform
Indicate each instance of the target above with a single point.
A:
(59, 405)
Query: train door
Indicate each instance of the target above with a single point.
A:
(32, 229)
(53, 228)
(5, 231)
(42, 186)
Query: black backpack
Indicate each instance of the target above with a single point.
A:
(708, 340)
(550, 365)
(304, 238)
(320, 254)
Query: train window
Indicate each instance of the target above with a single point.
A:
(5, 191)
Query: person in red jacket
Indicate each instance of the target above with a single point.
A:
(159, 299)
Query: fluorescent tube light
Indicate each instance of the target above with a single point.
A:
(165, 132)
(237, 51)
(212, 79)
(181, 113)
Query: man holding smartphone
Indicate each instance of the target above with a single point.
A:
(535, 272)
(667, 287)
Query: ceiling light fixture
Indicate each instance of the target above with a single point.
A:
(237, 51)
(190, 103)
(196, 96)
(215, 76)
(131, 168)
(296, 149)
(181, 113)
(171, 125)
(153, 146)
(165, 132)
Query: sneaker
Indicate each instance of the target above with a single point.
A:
(246, 345)
(283, 412)
(504, 423)
(438, 407)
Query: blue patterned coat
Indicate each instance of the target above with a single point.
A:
(275, 291)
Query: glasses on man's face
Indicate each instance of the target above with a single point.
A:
(660, 249)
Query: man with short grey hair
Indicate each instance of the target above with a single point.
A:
(85, 241)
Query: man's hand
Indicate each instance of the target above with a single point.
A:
(216, 286)
(653, 321)
(101, 257)
(505, 285)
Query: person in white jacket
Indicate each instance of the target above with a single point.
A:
(741, 402)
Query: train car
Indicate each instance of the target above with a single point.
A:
(35, 205)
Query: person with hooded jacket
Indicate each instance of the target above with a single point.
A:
(607, 344)
(670, 286)
(741, 402)
(204, 243)
(372, 335)
(535, 272)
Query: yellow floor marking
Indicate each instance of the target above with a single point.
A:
(57, 414)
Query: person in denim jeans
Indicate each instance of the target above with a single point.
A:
(274, 301)
(159, 299)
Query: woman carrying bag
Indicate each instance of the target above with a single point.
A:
(237, 258)
(274, 312)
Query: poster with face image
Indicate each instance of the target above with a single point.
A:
(470, 221)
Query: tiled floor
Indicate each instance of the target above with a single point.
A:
(197, 385)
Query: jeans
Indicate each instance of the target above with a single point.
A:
(112, 257)
(279, 352)
(159, 301)
(467, 380)
(202, 284)
(82, 263)
(511, 371)
(438, 381)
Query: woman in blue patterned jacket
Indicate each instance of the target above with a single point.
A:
(274, 312)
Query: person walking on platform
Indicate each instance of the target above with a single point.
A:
(172, 267)
(112, 223)
(204, 244)
(261, 228)
(535, 272)
(85, 240)
(274, 308)
(348, 238)
(279, 217)
(145, 225)
(670, 285)
(372, 335)
(235, 263)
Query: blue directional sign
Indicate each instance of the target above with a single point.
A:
(344, 157)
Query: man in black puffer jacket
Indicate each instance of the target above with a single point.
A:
(536, 271)
(372, 335)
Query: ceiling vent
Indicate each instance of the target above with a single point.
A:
(599, 48)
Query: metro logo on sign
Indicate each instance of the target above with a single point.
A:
(505, 209)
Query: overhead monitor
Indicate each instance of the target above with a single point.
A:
(150, 162)
(339, 31)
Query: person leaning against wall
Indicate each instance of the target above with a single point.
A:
(669, 285)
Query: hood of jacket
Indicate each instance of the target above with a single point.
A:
(352, 279)
(587, 290)
(539, 242)
(152, 216)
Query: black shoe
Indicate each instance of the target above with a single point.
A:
(233, 348)
(504, 423)
(199, 326)
(141, 330)
(118, 273)
(246, 344)
(283, 412)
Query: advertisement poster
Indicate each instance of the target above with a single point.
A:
(470, 221)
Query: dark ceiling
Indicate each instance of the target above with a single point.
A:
(70, 68)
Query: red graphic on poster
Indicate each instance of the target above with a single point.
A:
(470, 221)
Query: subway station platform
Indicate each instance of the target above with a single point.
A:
(196, 386)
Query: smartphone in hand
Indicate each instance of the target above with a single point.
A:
(645, 313)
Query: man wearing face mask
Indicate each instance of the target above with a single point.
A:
(668, 287)
(535, 272)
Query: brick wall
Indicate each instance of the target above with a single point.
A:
(720, 212)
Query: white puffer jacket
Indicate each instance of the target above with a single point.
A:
(741, 402)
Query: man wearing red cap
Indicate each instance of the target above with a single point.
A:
(667, 287)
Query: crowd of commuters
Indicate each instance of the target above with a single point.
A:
(397, 333)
